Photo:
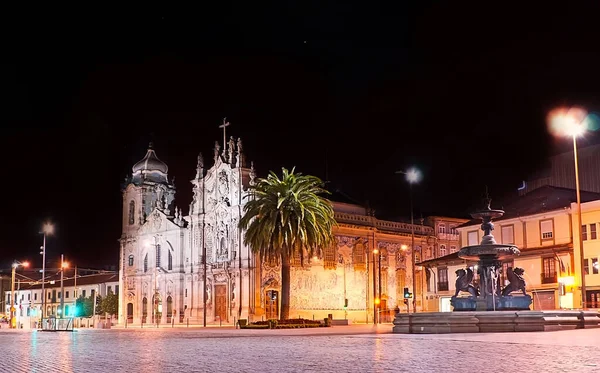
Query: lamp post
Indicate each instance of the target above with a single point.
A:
(13, 320)
(413, 176)
(572, 122)
(47, 229)
(376, 299)
(63, 265)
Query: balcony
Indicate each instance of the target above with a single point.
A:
(549, 278)
(442, 286)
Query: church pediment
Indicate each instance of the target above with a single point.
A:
(157, 221)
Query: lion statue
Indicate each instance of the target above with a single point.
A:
(463, 282)
(515, 276)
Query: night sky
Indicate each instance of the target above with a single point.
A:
(350, 93)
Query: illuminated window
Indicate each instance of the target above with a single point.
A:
(508, 234)
(472, 238)
(442, 228)
(547, 229)
(442, 279)
(329, 257)
(358, 256)
(146, 263)
(595, 266)
(584, 232)
(593, 231)
(130, 260)
(131, 213)
(586, 266)
(442, 250)
(452, 249)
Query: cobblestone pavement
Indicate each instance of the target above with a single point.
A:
(339, 349)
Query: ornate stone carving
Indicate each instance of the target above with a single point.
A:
(391, 247)
(345, 241)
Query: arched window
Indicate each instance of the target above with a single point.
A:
(130, 260)
(144, 309)
(442, 250)
(131, 212)
(169, 308)
(442, 228)
(146, 263)
(452, 249)
(157, 256)
(170, 268)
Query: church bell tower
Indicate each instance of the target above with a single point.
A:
(147, 188)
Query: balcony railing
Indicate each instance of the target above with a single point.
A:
(442, 286)
(549, 278)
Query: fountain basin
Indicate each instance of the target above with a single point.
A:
(500, 303)
(489, 251)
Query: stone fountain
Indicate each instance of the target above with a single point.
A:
(489, 295)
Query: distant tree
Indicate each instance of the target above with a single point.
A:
(84, 306)
(110, 303)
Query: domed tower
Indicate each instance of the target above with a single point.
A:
(146, 189)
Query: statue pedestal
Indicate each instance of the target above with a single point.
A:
(463, 304)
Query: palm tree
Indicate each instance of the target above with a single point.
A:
(286, 217)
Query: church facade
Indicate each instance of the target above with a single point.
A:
(196, 268)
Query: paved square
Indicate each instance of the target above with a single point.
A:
(359, 348)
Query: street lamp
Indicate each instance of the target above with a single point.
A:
(63, 265)
(572, 122)
(413, 176)
(376, 296)
(13, 320)
(47, 229)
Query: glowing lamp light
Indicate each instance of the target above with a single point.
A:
(404, 247)
(48, 228)
(377, 301)
(571, 122)
(375, 251)
(413, 175)
(65, 264)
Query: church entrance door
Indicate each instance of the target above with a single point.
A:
(221, 302)
(272, 304)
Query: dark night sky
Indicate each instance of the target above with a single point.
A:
(459, 90)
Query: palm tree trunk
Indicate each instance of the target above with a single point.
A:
(285, 288)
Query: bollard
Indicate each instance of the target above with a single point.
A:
(126, 323)
(172, 322)
(188, 322)
(220, 322)
(234, 324)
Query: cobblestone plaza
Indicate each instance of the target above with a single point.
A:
(339, 349)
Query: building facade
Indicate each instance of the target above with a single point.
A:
(590, 220)
(28, 296)
(176, 268)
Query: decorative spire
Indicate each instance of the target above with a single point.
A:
(217, 150)
(240, 155)
(252, 174)
(231, 150)
(151, 145)
(200, 167)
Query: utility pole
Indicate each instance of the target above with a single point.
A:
(413, 250)
(62, 288)
(379, 281)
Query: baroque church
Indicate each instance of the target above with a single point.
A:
(196, 268)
